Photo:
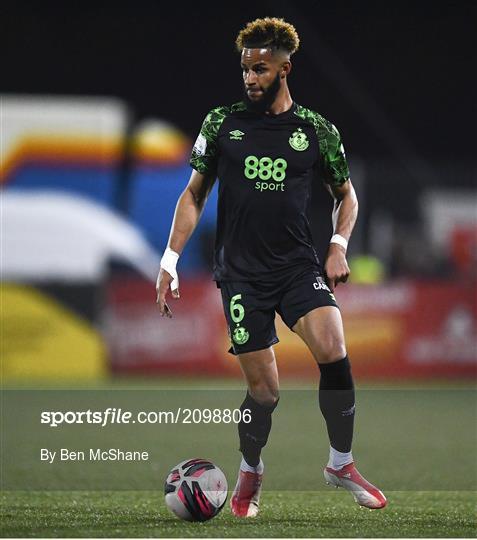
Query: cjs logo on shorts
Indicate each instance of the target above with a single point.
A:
(321, 285)
(270, 172)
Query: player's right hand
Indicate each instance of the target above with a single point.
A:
(164, 282)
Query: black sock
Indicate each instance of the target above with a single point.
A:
(336, 398)
(254, 434)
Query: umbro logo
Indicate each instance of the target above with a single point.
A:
(236, 135)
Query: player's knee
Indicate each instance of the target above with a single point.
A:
(264, 394)
(331, 350)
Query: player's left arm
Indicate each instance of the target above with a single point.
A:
(345, 212)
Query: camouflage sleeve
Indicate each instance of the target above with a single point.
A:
(205, 152)
(333, 160)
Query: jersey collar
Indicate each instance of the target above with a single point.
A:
(272, 116)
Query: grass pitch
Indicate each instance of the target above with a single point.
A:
(283, 514)
(417, 444)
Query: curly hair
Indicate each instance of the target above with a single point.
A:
(270, 32)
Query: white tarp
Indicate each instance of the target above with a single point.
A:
(103, 119)
(47, 235)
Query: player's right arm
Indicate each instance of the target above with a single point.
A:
(189, 207)
(186, 216)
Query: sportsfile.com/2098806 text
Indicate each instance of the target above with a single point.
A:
(112, 415)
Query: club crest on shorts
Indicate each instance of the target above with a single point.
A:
(240, 335)
(299, 141)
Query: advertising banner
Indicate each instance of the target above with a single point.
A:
(140, 340)
(402, 329)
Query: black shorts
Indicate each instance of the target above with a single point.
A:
(250, 307)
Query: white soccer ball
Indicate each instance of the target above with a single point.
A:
(195, 490)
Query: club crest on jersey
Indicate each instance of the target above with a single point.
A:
(299, 141)
(236, 135)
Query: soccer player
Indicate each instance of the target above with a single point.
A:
(266, 152)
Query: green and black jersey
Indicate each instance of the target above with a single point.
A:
(265, 165)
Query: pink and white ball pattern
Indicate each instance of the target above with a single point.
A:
(195, 490)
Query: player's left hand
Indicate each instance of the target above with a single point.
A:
(336, 266)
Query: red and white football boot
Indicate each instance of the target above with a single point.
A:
(364, 493)
(246, 496)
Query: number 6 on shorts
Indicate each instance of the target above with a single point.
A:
(237, 311)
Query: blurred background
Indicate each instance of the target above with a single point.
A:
(100, 105)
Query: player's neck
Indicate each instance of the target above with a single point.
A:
(283, 102)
